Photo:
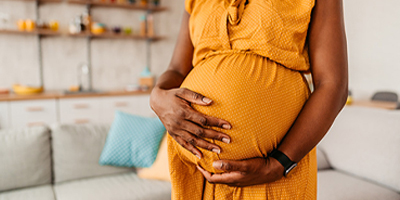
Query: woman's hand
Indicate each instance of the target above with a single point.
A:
(248, 172)
(186, 125)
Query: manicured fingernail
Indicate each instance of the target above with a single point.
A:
(226, 140)
(217, 165)
(198, 156)
(226, 126)
(218, 151)
(206, 100)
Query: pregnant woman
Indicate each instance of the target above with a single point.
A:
(241, 120)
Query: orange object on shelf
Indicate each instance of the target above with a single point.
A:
(53, 25)
(30, 25)
(21, 25)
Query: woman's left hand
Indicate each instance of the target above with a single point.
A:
(248, 172)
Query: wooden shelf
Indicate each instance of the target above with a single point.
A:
(116, 36)
(42, 32)
(40, 1)
(118, 5)
(61, 95)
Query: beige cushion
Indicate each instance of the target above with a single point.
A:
(125, 186)
(76, 152)
(333, 185)
(366, 142)
(24, 158)
(44, 192)
(322, 160)
(159, 169)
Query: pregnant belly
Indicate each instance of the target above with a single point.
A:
(260, 98)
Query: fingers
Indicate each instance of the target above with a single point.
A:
(204, 132)
(205, 120)
(193, 97)
(198, 142)
(189, 147)
(231, 165)
(229, 178)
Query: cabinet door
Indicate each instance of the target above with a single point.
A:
(33, 113)
(4, 115)
(138, 105)
(79, 110)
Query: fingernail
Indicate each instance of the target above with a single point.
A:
(198, 156)
(226, 126)
(218, 151)
(226, 140)
(216, 165)
(206, 100)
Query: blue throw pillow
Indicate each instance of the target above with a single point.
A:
(132, 141)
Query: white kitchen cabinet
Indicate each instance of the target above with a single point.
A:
(33, 113)
(4, 115)
(138, 105)
(79, 110)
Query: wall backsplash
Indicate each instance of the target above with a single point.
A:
(115, 62)
(372, 29)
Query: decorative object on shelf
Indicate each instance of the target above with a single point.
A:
(21, 25)
(30, 25)
(146, 78)
(98, 28)
(150, 25)
(27, 90)
(53, 25)
(127, 30)
(143, 26)
(116, 29)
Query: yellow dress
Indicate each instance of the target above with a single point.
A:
(248, 58)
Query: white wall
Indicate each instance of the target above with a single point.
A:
(373, 33)
(373, 37)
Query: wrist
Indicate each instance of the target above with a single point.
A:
(273, 168)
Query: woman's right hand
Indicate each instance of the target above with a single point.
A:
(187, 126)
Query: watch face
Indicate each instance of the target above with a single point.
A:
(290, 168)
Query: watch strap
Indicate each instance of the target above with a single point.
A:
(283, 159)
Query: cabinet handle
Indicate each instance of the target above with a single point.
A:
(81, 106)
(35, 124)
(121, 104)
(34, 109)
(82, 121)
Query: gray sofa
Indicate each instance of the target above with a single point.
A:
(359, 159)
(62, 163)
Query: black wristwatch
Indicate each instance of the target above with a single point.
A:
(284, 160)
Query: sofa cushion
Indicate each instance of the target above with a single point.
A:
(365, 142)
(44, 192)
(114, 187)
(133, 141)
(76, 152)
(25, 158)
(334, 185)
(322, 160)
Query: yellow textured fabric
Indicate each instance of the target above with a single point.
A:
(248, 58)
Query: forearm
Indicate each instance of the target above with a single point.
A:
(315, 119)
(170, 79)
